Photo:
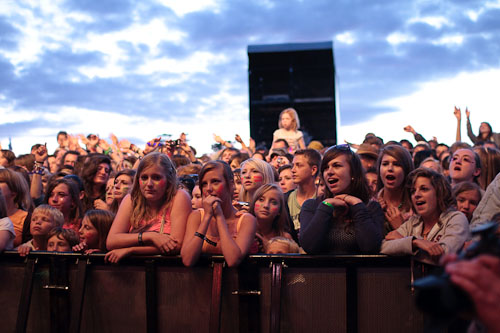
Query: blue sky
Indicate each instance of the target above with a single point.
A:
(142, 68)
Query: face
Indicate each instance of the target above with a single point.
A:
(301, 170)
(430, 165)
(153, 183)
(196, 201)
(423, 197)
(52, 164)
(235, 164)
(70, 159)
(109, 191)
(320, 187)
(279, 161)
(60, 139)
(237, 186)
(102, 174)
(463, 166)
(440, 150)
(267, 206)
(56, 244)
(286, 181)
(337, 175)
(251, 178)
(41, 224)
(371, 178)
(484, 128)
(122, 186)
(213, 183)
(8, 195)
(60, 198)
(406, 145)
(286, 121)
(467, 202)
(89, 234)
(367, 162)
(391, 172)
(228, 155)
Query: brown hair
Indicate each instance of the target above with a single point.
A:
(17, 184)
(227, 173)
(69, 235)
(280, 222)
(101, 220)
(312, 156)
(490, 165)
(444, 195)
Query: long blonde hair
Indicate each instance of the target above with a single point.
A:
(140, 209)
(265, 168)
(295, 118)
(280, 222)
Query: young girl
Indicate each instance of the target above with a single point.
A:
(436, 228)
(268, 206)
(467, 196)
(15, 190)
(289, 124)
(94, 231)
(61, 240)
(44, 219)
(63, 194)
(216, 229)
(394, 164)
(254, 174)
(122, 186)
(95, 174)
(152, 218)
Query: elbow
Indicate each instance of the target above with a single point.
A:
(188, 262)
(111, 243)
(233, 262)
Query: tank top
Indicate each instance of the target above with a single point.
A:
(160, 223)
(217, 249)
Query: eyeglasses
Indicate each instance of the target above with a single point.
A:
(342, 147)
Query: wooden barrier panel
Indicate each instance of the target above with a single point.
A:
(293, 293)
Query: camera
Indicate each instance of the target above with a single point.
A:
(440, 298)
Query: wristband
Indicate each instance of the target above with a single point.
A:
(139, 239)
(327, 204)
(197, 234)
(202, 236)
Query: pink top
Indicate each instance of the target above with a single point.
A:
(155, 224)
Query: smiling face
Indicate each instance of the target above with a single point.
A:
(337, 175)
(89, 234)
(153, 183)
(251, 178)
(122, 186)
(267, 206)
(424, 199)
(41, 224)
(60, 198)
(102, 173)
(391, 172)
(467, 202)
(463, 166)
(286, 180)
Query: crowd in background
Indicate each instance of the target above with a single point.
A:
(391, 197)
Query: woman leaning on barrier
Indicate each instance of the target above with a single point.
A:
(343, 220)
(436, 228)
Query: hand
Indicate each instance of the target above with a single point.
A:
(90, 251)
(163, 242)
(457, 113)
(152, 144)
(183, 137)
(208, 204)
(99, 204)
(103, 144)
(480, 279)
(467, 112)
(252, 144)
(238, 138)
(114, 256)
(349, 199)
(23, 250)
(81, 247)
(73, 142)
(409, 128)
(394, 217)
(218, 139)
(432, 248)
(41, 154)
(114, 139)
(393, 235)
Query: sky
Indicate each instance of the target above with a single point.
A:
(143, 68)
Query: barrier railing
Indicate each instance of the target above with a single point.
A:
(55, 292)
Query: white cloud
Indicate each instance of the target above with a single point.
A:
(398, 38)
(435, 21)
(451, 40)
(182, 8)
(346, 38)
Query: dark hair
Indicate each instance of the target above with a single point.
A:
(17, 184)
(284, 167)
(488, 137)
(88, 173)
(128, 172)
(9, 156)
(442, 187)
(420, 156)
(284, 141)
(25, 160)
(101, 220)
(312, 156)
(226, 172)
(3, 206)
(490, 165)
(77, 209)
(404, 158)
(359, 186)
(62, 133)
(407, 142)
(69, 152)
(68, 235)
(466, 186)
(180, 160)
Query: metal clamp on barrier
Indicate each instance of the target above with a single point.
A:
(55, 287)
(247, 292)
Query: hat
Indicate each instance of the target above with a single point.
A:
(278, 152)
(315, 144)
(367, 149)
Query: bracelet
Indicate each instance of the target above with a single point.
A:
(139, 239)
(202, 236)
(327, 204)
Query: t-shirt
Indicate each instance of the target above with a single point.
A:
(292, 137)
(6, 224)
(18, 221)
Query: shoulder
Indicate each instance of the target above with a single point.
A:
(182, 197)
(311, 203)
(453, 216)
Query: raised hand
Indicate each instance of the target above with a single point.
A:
(457, 113)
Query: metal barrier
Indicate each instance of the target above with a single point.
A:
(55, 292)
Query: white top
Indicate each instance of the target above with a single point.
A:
(292, 137)
(6, 224)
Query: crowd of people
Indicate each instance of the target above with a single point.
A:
(391, 197)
